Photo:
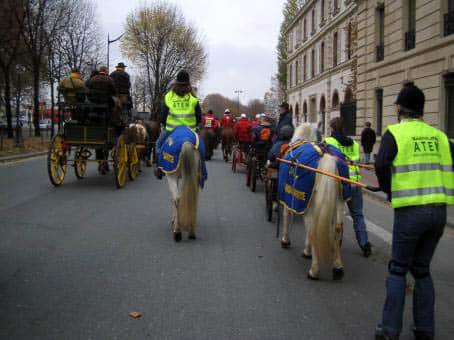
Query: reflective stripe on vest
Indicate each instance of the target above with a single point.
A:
(181, 111)
(351, 153)
(422, 171)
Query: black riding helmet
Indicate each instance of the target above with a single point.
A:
(286, 132)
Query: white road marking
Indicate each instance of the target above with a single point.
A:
(377, 231)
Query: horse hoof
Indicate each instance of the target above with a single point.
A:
(305, 256)
(177, 236)
(311, 277)
(286, 244)
(338, 274)
(192, 236)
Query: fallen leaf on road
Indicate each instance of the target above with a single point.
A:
(135, 315)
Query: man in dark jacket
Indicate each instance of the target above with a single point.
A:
(368, 139)
(101, 87)
(285, 118)
(414, 167)
(121, 79)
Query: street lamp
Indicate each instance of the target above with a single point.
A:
(20, 69)
(238, 92)
(108, 47)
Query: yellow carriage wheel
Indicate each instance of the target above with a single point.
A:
(56, 161)
(80, 163)
(133, 168)
(120, 158)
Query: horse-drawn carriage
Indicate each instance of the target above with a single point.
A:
(93, 127)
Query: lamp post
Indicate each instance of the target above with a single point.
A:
(108, 47)
(238, 92)
(20, 69)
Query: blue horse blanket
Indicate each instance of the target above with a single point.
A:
(169, 157)
(295, 184)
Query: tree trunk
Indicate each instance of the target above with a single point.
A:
(36, 76)
(7, 96)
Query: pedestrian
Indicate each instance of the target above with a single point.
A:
(180, 108)
(350, 149)
(285, 118)
(414, 167)
(368, 139)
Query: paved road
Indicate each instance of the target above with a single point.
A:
(74, 261)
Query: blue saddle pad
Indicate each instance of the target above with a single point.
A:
(169, 157)
(295, 184)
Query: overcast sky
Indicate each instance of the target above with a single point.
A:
(241, 38)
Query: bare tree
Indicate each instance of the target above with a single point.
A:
(218, 103)
(256, 106)
(42, 19)
(158, 39)
(11, 25)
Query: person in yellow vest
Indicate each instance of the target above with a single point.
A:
(180, 108)
(414, 167)
(73, 88)
(350, 149)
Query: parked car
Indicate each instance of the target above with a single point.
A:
(44, 124)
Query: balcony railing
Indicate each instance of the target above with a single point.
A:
(410, 40)
(322, 22)
(380, 53)
(449, 23)
(335, 11)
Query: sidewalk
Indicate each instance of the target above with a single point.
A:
(370, 179)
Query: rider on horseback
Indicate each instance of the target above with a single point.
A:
(209, 121)
(242, 132)
(227, 120)
(181, 108)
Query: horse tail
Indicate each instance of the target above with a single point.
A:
(323, 209)
(190, 173)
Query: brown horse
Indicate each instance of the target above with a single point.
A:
(153, 130)
(209, 139)
(227, 142)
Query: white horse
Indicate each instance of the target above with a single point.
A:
(323, 216)
(184, 187)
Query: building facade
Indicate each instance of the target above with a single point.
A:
(403, 41)
(320, 62)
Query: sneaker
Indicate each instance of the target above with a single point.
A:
(381, 335)
(367, 249)
(158, 173)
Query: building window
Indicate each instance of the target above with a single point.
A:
(449, 19)
(291, 75)
(322, 57)
(313, 22)
(380, 30)
(410, 35)
(335, 7)
(304, 68)
(449, 120)
(313, 63)
(322, 12)
(304, 30)
(297, 71)
(379, 110)
(349, 41)
(335, 49)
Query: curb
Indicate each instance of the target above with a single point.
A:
(21, 156)
(379, 198)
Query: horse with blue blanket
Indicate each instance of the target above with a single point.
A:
(318, 197)
(182, 159)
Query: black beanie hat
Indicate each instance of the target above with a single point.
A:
(411, 100)
(182, 78)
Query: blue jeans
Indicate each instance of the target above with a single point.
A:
(367, 157)
(355, 206)
(416, 233)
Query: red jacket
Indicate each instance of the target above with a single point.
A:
(227, 121)
(255, 122)
(243, 130)
(209, 122)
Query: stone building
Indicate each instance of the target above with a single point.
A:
(402, 41)
(320, 62)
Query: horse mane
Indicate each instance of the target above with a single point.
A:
(304, 132)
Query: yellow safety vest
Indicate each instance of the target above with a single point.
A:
(181, 111)
(351, 153)
(422, 171)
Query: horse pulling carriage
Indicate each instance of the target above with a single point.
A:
(93, 128)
